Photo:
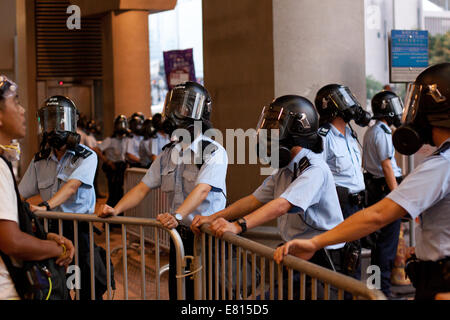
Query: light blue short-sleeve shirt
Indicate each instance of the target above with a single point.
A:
(378, 147)
(178, 179)
(45, 177)
(425, 193)
(159, 142)
(133, 145)
(312, 195)
(114, 148)
(343, 156)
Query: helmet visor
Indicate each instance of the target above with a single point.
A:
(272, 117)
(8, 88)
(343, 98)
(57, 118)
(184, 104)
(394, 105)
(411, 103)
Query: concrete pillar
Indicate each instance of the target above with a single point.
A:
(126, 65)
(256, 50)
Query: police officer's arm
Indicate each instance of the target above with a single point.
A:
(132, 157)
(192, 201)
(238, 209)
(266, 213)
(23, 246)
(355, 227)
(130, 200)
(62, 195)
(389, 175)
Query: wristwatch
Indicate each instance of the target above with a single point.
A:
(177, 217)
(45, 204)
(243, 224)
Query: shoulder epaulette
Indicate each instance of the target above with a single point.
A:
(299, 168)
(82, 152)
(385, 129)
(209, 152)
(442, 149)
(323, 131)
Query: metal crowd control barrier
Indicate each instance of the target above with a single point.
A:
(155, 203)
(138, 223)
(215, 280)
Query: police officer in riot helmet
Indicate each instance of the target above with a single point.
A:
(335, 100)
(297, 125)
(62, 173)
(192, 187)
(423, 194)
(288, 126)
(58, 124)
(388, 106)
(337, 106)
(121, 126)
(136, 122)
(186, 103)
(426, 106)
(382, 175)
(112, 153)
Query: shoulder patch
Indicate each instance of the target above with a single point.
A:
(208, 149)
(385, 129)
(303, 164)
(442, 149)
(299, 168)
(82, 152)
(323, 131)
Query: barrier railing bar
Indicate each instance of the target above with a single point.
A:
(143, 262)
(223, 269)
(326, 291)
(280, 282)
(77, 257)
(230, 271)
(91, 259)
(290, 284)
(179, 248)
(210, 270)
(263, 278)
(272, 279)
(238, 273)
(302, 286)
(60, 226)
(108, 261)
(216, 268)
(124, 258)
(335, 279)
(204, 266)
(244, 275)
(313, 289)
(253, 276)
(158, 265)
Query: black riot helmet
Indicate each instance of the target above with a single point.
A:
(58, 123)
(120, 126)
(335, 100)
(136, 122)
(184, 104)
(388, 106)
(147, 129)
(427, 105)
(296, 122)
